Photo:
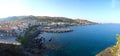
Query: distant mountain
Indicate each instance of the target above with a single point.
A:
(48, 19)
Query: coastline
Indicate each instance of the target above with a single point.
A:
(106, 52)
(112, 51)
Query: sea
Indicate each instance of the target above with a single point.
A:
(85, 40)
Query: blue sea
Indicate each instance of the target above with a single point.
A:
(84, 40)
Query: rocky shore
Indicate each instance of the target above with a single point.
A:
(106, 52)
(32, 45)
(112, 51)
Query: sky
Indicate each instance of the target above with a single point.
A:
(104, 11)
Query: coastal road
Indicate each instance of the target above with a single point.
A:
(9, 40)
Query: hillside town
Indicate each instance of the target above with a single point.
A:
(26, 34)
(18, 27)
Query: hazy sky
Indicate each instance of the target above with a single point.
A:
(94, 10)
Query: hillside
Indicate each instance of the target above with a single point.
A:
(48, 19)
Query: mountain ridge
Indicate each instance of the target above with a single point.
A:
(47, 19)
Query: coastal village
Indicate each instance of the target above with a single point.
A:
(18, 27)
(26, 36)
(59, 27)
(25, 33)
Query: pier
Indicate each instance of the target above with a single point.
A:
(57, 31)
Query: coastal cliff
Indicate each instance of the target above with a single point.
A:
(112, 51)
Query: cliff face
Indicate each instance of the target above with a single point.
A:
(112, 51)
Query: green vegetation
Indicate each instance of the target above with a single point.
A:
(118, 38)
(25, 39)
(116, 47)
(21, 39)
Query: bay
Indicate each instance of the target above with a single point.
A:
(84, 40)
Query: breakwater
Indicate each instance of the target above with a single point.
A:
(57, 31)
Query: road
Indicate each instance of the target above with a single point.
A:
(9, 40)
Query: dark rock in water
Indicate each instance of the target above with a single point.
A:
(50, 39)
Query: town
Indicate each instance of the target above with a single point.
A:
(27, 33)
(18, 27)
